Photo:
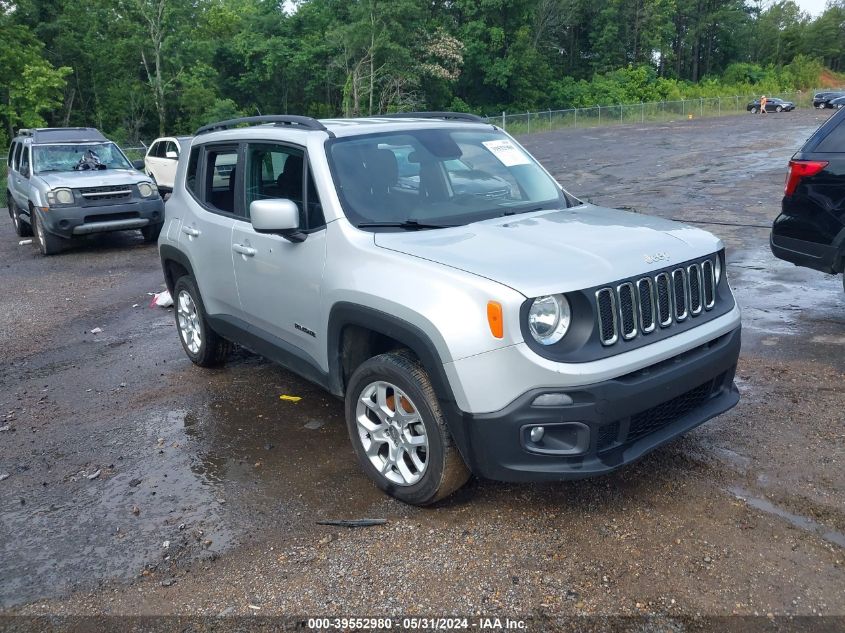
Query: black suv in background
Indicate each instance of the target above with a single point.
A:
(823, 99)
(810, 230)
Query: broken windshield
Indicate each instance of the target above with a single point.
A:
(74, 157)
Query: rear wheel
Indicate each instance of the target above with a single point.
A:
(22, 229)
(754, 110)
(398, 431)
(48, 243)
(779, 109)
(203, 345)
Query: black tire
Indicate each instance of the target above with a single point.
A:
(779, 109)
(754, 110)
(151, 232)
(22, 229)
(48, 243)
(212, 349)
(445, 471)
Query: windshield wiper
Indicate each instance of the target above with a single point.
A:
(408, 225)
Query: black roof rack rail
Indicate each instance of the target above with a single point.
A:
(454, 116)
(279, 119)
(63, 134)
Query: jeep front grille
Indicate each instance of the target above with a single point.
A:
(110, 192)
(638, 307)
(606, 303)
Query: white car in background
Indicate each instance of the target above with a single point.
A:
(161, 160)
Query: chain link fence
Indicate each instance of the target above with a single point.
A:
(633, 113)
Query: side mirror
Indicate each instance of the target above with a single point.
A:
(276, 215)
(138, 164)
(26, 172)
(171, 154)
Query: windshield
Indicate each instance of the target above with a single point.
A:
(78, 157)
(437, 177)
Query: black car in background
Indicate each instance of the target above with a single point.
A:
(773, 104)
(810, 230)
(823, 99)
(836, 103)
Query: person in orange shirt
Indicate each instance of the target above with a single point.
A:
(763, 101)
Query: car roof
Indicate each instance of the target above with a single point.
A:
(370, 125)
(63, 135)
(336, 127)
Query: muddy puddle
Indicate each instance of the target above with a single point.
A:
(204, 479)
(781, 304)
(801, 522)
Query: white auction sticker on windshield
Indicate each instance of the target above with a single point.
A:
(507, 153)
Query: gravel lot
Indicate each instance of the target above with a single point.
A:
(209, 485)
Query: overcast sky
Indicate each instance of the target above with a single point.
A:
(813, 7)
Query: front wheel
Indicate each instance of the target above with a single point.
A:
(151, 232)
(399, 433)
(48, 243)
(203, 345)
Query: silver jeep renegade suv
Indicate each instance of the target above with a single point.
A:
(475, 317)
(64, 183)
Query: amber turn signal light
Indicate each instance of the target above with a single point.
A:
(494, 318)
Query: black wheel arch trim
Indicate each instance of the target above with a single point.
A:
(344, 314)
(171, 253)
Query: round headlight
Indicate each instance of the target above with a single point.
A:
(718, 267)
(64, 196)
(548, 319)
(145, 189)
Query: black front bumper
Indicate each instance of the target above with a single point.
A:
(74, 221)
(609, 424)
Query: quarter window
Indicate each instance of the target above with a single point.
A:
(12, 149)
(17, 158)
(192, 175)
(834, 142)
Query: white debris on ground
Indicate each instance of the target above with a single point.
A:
(162, 300)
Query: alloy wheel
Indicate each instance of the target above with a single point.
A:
(392, 433)
(189, 322)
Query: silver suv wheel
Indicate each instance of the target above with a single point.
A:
(392, 433)
(201, 343)
(188, 320)
(399, 434)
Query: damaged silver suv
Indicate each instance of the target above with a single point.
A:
(474, 316)
(65, 183)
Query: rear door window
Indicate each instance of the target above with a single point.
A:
(221, 168)
(12, 148)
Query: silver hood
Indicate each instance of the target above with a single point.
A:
(560, 250)
(92, 178)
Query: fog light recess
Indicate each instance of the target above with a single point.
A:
(557, 438)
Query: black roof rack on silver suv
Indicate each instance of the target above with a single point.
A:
(454, 116)
(279, 119)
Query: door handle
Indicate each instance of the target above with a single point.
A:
(187, 230)
(247, 251)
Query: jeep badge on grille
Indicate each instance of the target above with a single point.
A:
(657, 257)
